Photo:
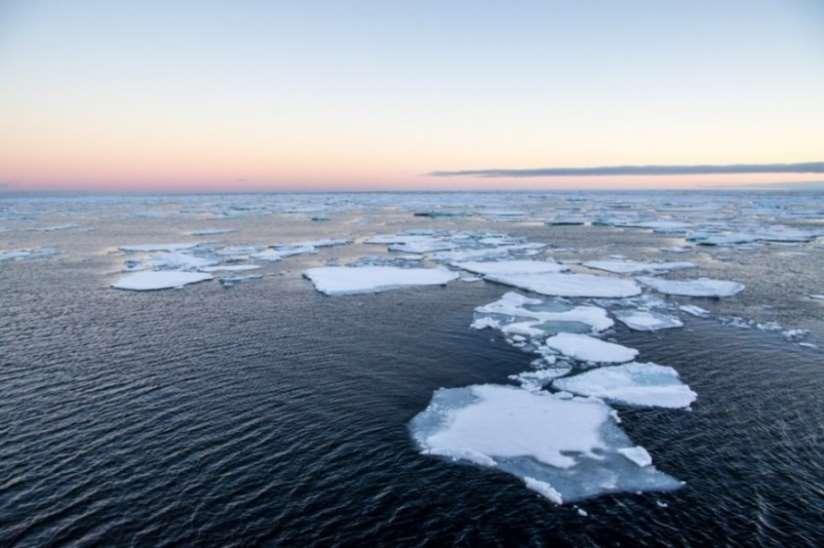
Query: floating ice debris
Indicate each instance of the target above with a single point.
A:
(511, 267)
(817, 297)
(642, 384)
(54, 228)
(211, 231)
(701, 287)
(487, 253)
(570, 285)
(535, 380)
(637, 454)
(762, 234)
(229, 281)
(288, 250)
(21, 254)
(159, 279)
(795, 335)
(635, 267)
(230, 268)
(465, 278)
(179, 261)
(693, 310)
(325, 242)
(146, 248)
(663, 227)
(641, 320)
(564, 449)
(237, 250)
(513, 311)
(590, 349)
(267, 255)
(343, 280)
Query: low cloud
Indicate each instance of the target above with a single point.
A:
(806, 167)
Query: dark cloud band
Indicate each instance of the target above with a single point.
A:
(807, 167)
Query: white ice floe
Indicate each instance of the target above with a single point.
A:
(590, 349)
(693, 310)
(159, 279)
(230, 268)
(701, 287)
(637, 454)
(146, 248)
(570, 285)
(512, 310)
(211, 231)
(566, 449)
(344, 280)
(267, 255)
(642, 384)
(535, 380)
(179, 261)
(487, 253)
(21, 254)
(636, 267)
(510, 267)
(642, 320)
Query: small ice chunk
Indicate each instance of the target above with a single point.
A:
(147, 248)
(21, 254)
(590, 349)
(641, 320)
(700, 287)
(693, 310)
(211, 231)
(230, 268)
(344, 280)
(535, 380)
(637, 454)
(636, 267)
(515, 305)
(570, 285)
(544, 488)
(643, 384)
(267, 255)
(175, 260)
(159, 279)
(510, 267)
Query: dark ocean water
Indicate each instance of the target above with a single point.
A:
(269, 414)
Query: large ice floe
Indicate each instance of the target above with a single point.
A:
(565, 449)
(589, 349)
(344, 280)
(617, 266)
(643, 384)
(570, 285)
(159, 279)
(510, 267)
(644, 320)
(700, 287)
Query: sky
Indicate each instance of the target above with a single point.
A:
(273, 95)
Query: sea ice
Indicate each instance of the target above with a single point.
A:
(510, 267)
(159, 279)
(701, 287)
(230, 268)
(511, 308)
(642, 384)
(566, 449)
(211, 231)
(146, 248)
(589, 349)
(344, 280)
(20, 254)
(642, 320)
(570, 285)
(635, 267)
(693, 310)
(179, 261)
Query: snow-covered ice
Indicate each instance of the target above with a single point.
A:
(694, 310)
(700, 287)
(510, 267)
(159, 279)
(344, 280)
(513, 308)
(636, 267)
(590, 349)
(230, 268)
(642, 320)
(176, 260)
(566, 449)
(146, 248)
(570, 285)
(642, 384)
